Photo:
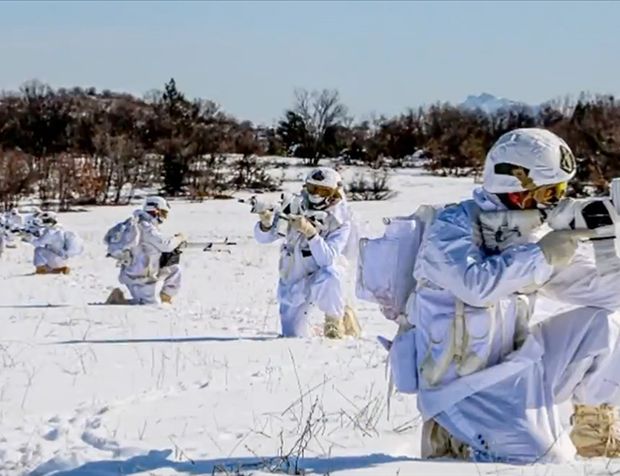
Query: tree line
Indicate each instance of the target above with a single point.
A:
(83, 146)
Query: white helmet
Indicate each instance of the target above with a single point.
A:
(525, 159)
(158, 207)
(323, 186)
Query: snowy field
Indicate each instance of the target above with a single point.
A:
(204, 386)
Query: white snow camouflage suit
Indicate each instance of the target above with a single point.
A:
(313, 272)
(143, 275)
(507, 399)
(50, 248)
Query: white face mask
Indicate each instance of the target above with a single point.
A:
(316, 202)
(316, 199)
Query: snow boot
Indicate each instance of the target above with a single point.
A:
(165, 298)
(596, 431)
(333, 328)
(116, 297)
(61, 270)
(41, 270)
(438, 443)
(351, 324)
(47, 270)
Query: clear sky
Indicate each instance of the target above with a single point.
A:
(381, 56)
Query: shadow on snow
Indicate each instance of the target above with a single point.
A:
(157, 459)
(157, 340)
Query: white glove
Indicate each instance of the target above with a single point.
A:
(303, 225)
(560, 246)
(180, 238)
(266, 219)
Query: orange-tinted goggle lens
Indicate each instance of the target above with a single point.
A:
(550, 194)
(319, 190)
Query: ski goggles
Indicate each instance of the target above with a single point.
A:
(158, 213)
(320, 190)
(549, 194)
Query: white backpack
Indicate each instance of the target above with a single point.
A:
(74, 245)
(385, 277)
(385, 265)
(122, 238)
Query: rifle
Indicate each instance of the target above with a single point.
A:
(174, 257)
(27, 231)
(207, 245)
(601, 217)
(593, 219)
(289, 205)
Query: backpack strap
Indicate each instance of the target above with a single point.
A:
(458, 338)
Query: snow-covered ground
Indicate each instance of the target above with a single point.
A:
(203, 386)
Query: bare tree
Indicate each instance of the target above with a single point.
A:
(122, 158)
(16, 177)
(311, 124)
(77, 145)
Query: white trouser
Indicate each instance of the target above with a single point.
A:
(323, 288)
(147, 291)
(46, 257)
(574, 358)
(172, 279)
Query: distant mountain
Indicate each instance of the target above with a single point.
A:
(490, 104)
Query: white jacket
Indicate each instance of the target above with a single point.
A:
(327, 250)
(468, 308)
(144, 265)
(52, 238)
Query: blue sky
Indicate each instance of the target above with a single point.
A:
(382, 56)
